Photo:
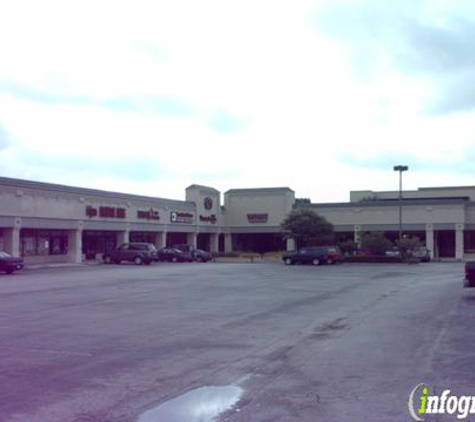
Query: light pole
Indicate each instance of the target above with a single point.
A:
(400, 169)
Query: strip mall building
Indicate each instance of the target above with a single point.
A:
(54, 223)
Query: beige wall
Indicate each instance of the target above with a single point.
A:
(62, 205)
(197, 194)
(411, 214)
(356, 196)
(275, 204)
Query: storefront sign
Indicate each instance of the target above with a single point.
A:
(208, 203)
(257, 218)
(107, 212)
(91, 212)
(181, 217)
(208, 218)
(148, 215)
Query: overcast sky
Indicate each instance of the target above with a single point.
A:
(322, 96)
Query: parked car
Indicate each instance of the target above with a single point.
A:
(469, 274)
(422, 253)
(9, 263)
(174, 255)
(138, 253)
(202, 256)
(393, 252)
(185, 248)
(314, 255)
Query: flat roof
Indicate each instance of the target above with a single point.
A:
(387, 203)
(52, 187)
(448, 188)
(196, 186)
(260, 190)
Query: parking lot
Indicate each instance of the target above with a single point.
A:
(301, 343)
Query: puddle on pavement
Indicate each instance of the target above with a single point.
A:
(201, 405)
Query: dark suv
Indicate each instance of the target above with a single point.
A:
(314, 255)
(138, 253)
(469, 274)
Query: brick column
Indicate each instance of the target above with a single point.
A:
(123, 237)
(357, 235)
(459, 247)
(11, 238)
(228, 242)
(214, 242)
(75, 246)
(161, 240)
(430, 240)
(192, 239)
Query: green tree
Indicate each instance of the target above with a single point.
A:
(307, 228)
(375, 243)
(407, 245)
(302, 201)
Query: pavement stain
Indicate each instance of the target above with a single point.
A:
(390, 274)
(337, 324)
(291, 306)
(329, 329)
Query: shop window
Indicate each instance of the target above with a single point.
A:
(43, 242)
(110, 242)
(28, 242)
(58, 243)
(98, 242)
(469, 240)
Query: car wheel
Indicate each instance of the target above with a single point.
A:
(138, 260)
(288, 261)
(315, 261)
(330, 261)
(148, 262)
(9, 271)
(108, 259)
(174, 259)
(117, 261)
(199, 259)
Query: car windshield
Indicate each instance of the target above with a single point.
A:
(4, 255)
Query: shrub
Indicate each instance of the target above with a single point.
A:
(375, 243)
(373, 259)
(407, 245)
(225, 255)
(348, 247)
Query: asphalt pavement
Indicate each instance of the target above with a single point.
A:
(301, 343)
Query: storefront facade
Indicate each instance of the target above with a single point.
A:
(45, 222)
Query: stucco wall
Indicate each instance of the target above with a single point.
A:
(62, 205)
(411, 214)
(276, 205)
(467, 191)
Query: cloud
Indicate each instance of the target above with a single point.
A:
(4, 139)
(224, 121)
(439, 48)
(149, 103)
(233, 95)
(425, 42)
(385, 161)
(139, 168)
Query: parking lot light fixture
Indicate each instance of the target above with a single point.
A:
(400, 169)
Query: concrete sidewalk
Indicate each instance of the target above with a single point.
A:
(60, 265)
